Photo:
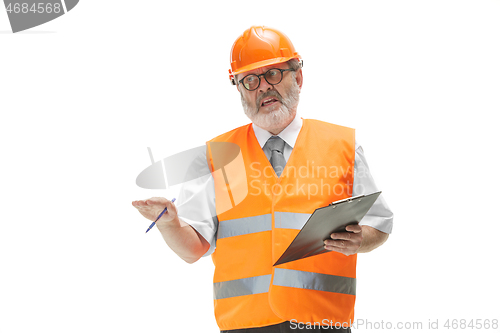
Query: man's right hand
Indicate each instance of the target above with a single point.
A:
(183, 239)
(153, 207)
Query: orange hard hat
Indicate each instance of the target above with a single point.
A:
(260, 46)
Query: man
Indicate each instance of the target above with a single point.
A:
(247, 216)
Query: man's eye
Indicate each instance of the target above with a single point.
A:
(250, 79)
(273, 72)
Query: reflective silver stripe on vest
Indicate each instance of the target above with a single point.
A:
(290, 220)
(242, 287)
(314, 281)
(243, 226)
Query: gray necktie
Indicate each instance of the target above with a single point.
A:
(277, 145)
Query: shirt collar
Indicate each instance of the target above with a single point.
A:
(289, 134)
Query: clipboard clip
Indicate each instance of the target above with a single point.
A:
(351, 199)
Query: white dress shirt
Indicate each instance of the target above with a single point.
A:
(196, 203)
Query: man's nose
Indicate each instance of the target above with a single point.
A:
(265, 86)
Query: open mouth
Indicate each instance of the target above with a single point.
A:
(269, 101)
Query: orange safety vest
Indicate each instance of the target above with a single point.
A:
(259, 216)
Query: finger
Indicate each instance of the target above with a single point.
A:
(355, 228)
(341, 235)
(336, 249)
(156, 201)
(336, 243)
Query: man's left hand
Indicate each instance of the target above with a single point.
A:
(348, 242)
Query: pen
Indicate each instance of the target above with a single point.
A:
(161, 214)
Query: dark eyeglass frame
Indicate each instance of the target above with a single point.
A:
(264, 75)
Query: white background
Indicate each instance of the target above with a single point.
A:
(83, 96)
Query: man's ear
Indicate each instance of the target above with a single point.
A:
(299, 77)
(235, 82)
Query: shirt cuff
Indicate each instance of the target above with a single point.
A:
(380, 223)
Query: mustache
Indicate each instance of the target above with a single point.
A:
(270, 93)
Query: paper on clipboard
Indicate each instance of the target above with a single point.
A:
(323, 222)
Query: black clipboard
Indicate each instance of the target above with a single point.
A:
(324, 221)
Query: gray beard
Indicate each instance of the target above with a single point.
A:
(277, 118)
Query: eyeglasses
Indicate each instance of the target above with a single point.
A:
(272, 76)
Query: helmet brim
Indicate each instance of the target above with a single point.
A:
(263, 63)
